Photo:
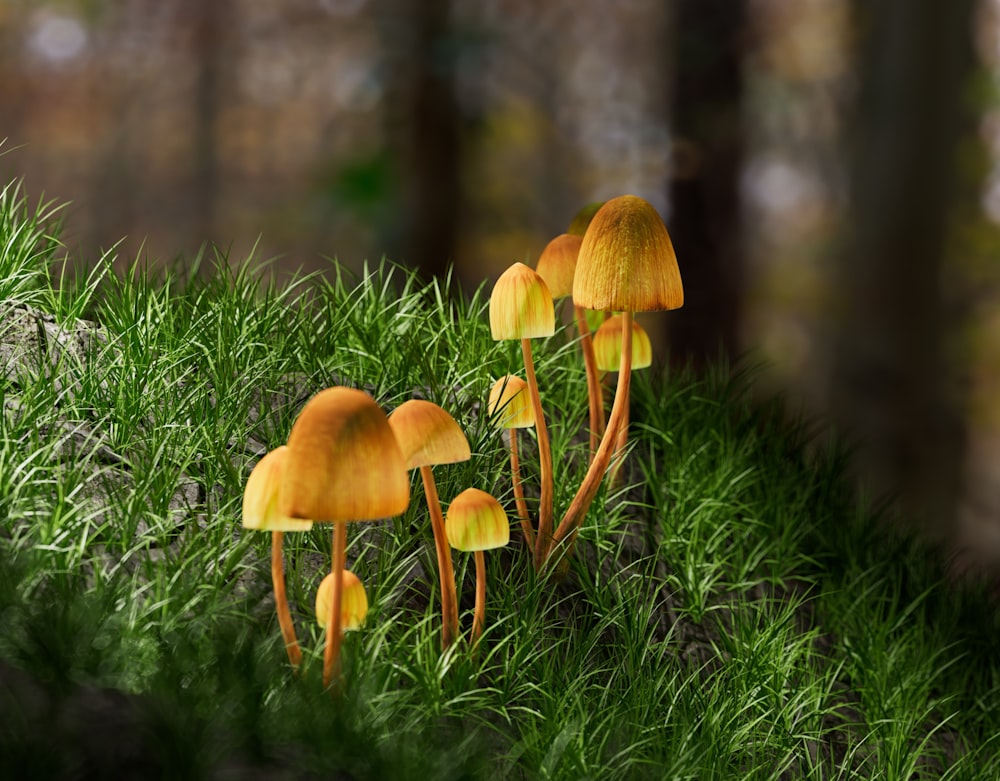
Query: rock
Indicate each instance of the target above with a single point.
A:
(32, 342)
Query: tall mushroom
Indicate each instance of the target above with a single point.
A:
(476, 522)
(521, 308)
(260, 511)
(427, 436)
(557, 265)
(607, 350)
(343, 464)
(510, 402)
(626, 264)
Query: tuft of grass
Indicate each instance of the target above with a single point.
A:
(730, 612)
(28, 244)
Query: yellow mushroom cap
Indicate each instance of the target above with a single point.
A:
(626, 261)
(509, 400)
(428, 435)
(608, 345)
(581, 220)
(557, 264)
(521, 305)
(353, 601)
(260, 496)
(343, 461)
(476, 521)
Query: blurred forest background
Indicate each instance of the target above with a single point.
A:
(829, 171)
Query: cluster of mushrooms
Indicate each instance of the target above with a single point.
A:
(346, 460)
(623, 263)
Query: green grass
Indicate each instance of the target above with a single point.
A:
(730, 612)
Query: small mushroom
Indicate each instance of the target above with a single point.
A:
(476, 522)
(607, 350)
(582, 219)
(578, 227)
(557, 265)
(353, 601)
(521, 308)
(343, 464)
(260, 511)
(608, 345)
(427, 436)
(510, 403)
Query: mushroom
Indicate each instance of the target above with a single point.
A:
(427, 436)
(521, 308)
(343, 464)
(582, 219)
(510, 401)
(260, 511)
(557, 265)
(626, 264)
(353, 601)
(578, 227)
(608, 345)
(607, 349)
(476, 522)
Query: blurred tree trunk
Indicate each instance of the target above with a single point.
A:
(892, 386)
(211, 20)
(112, 204)
(704, 190)
(429, 146)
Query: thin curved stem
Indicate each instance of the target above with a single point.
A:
(449, 599)
(519, 501)
(585, 494)
(281, 602)
(616, 466)
(544, 459)
(331, 654)
(479, 617)
(595, 398)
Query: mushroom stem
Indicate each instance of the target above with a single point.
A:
(594, 396)
(331, 654)
(449, 599)
(479, 617)
(585, 494)
(615, 472)
(281, 602)
(544, 459)
(522, 505)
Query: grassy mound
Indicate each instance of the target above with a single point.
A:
(730, 613)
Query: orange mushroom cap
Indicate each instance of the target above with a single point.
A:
(626, 261)
(343, 461)
(260, 496)
(427, 435)
(476, 521)
(557, 264)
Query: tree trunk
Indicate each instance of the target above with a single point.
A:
(892, 386)
(431, 149)
(212, 20)
(704, 190)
